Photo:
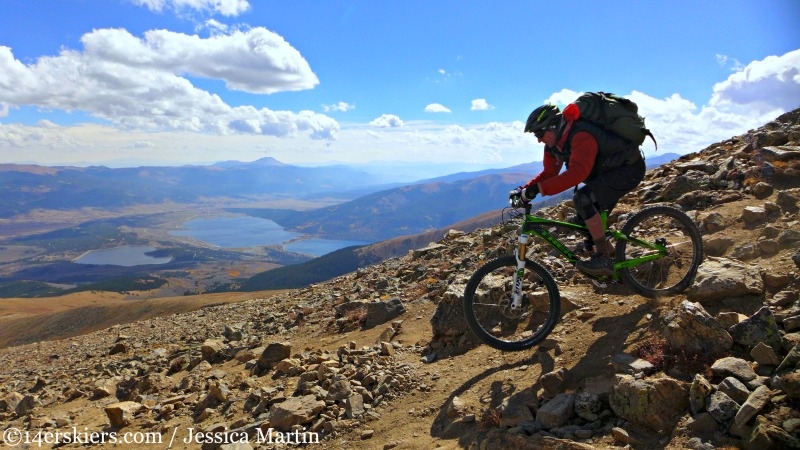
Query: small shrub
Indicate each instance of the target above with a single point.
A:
(490, 418)
(655, 349)
(356, 315)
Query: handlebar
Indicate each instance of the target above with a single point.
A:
(517, 201)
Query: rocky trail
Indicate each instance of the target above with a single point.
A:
(381, 358)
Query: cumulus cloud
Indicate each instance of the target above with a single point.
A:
(766, 85)
(562, 97)
(387, 121)
(160, 99)
(256, 60)
(748, 98)
(437, 108)
(341, 107)
(229, 8)
(480, 104)
(141, 83)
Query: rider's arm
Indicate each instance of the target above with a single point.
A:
(551, 167)
(581, 162)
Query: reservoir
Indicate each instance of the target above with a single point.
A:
(127, 256)
(247, 231)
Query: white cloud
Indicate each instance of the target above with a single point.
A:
(140, 83)
(747, 99)
(436, 108)
(229, 8)
(387, 121)
(764, 86)
(214, 26)
(480, 104)
(341, 107)
(723, 61)
(561, 98)
(256, 60)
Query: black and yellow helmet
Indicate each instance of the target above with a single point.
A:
(543, 117)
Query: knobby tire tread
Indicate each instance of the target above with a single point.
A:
(489, 339)
(697, 244)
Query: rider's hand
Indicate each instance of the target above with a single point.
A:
(515, 197)
(530, 192)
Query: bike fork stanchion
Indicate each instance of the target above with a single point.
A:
(519, 253)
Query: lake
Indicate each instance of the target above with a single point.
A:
(127, 256)
(247, 231)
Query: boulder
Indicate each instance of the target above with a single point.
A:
(720, 278)
(294, 411)
(691, 328)
(655, 404)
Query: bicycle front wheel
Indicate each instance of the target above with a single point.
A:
(487, 304)
(674, 270)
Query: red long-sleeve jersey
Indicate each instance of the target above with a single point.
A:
(582, 155)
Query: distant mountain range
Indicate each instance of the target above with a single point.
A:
(376, 210)
(416, 208)
(27, 187)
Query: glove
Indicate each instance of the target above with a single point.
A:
(530, 192)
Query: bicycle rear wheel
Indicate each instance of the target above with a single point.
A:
(675, 270)
(487, 304)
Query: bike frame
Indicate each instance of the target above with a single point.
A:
(536, 226)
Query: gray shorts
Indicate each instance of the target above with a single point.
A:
(605, 190)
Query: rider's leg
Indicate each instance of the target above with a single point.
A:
(595, 226)
(601, 262)
(584, 202)
(602, 193)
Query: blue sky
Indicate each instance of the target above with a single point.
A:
(141, 82)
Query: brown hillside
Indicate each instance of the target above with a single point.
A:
(380, 358)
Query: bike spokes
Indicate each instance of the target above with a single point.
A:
(663, 251)
(488, 305)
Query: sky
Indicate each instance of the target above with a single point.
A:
(445, 83)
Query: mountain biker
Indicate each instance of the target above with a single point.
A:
(585, 150)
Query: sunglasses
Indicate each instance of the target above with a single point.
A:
(539, 133)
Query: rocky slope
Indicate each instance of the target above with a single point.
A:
(381, 358)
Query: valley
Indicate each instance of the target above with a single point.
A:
(40, 260)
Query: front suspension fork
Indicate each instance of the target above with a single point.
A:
(519, 253)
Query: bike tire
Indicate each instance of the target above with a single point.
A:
(672, 273)
(495, 325)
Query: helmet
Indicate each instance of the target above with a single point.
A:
(543, 117)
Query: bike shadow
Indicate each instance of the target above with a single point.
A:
(615, 334)
(445, 427)
(595, 364)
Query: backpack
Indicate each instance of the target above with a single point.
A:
(615, 114)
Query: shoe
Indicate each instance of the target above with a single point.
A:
(598, 264)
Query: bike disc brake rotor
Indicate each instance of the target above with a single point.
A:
(505, 307)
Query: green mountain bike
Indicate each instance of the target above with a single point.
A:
(512, 303)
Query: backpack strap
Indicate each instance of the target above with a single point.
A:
(653, 138)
